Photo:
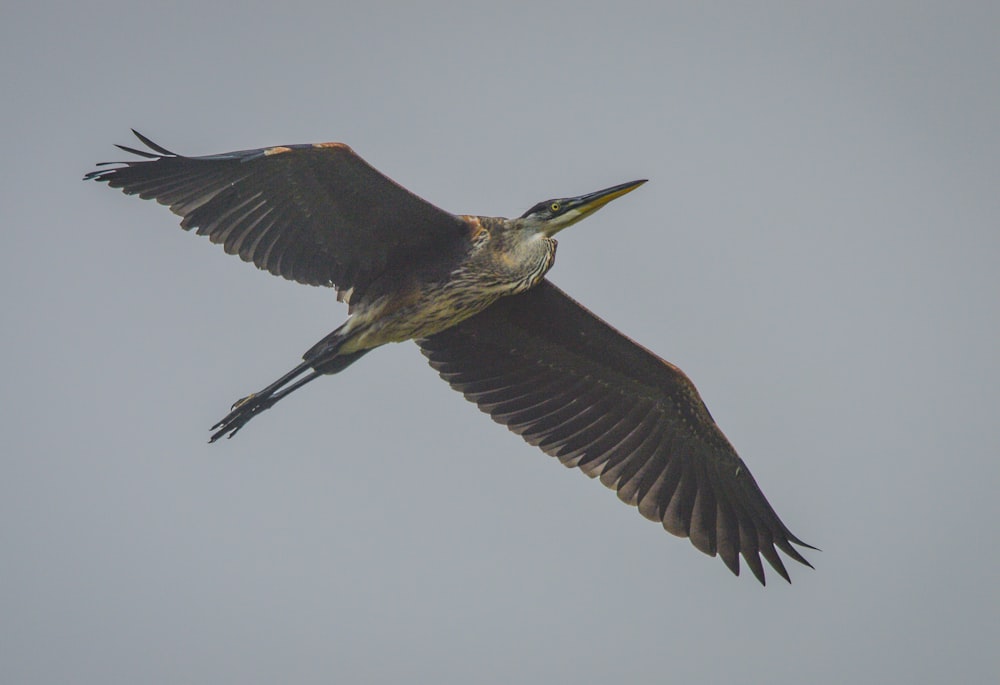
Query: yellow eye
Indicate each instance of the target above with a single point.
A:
(554, 206)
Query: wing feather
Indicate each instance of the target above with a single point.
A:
(316, 214)
(564, 380)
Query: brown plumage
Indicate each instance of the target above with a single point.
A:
(472, 292)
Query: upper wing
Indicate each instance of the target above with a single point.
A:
(554, 373)
(316, 214)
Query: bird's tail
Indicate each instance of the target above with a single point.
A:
(321, 359)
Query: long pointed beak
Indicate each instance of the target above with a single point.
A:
(591, 202)
(582, 206)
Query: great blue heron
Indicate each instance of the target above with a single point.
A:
(471, 290)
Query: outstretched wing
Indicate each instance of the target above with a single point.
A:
(564, 380)
(317, 214)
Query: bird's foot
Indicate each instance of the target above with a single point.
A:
(242, 411)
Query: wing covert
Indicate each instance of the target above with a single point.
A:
(317, 214)
(551, 371)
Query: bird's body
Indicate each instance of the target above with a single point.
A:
(419, 304)
(472, 292)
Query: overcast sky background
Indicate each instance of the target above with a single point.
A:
(817, 248)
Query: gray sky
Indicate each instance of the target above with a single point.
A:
(817, 248)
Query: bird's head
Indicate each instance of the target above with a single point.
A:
(549, 217)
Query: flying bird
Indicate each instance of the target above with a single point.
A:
(472, 292)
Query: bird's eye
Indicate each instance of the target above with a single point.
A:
(554, 206)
